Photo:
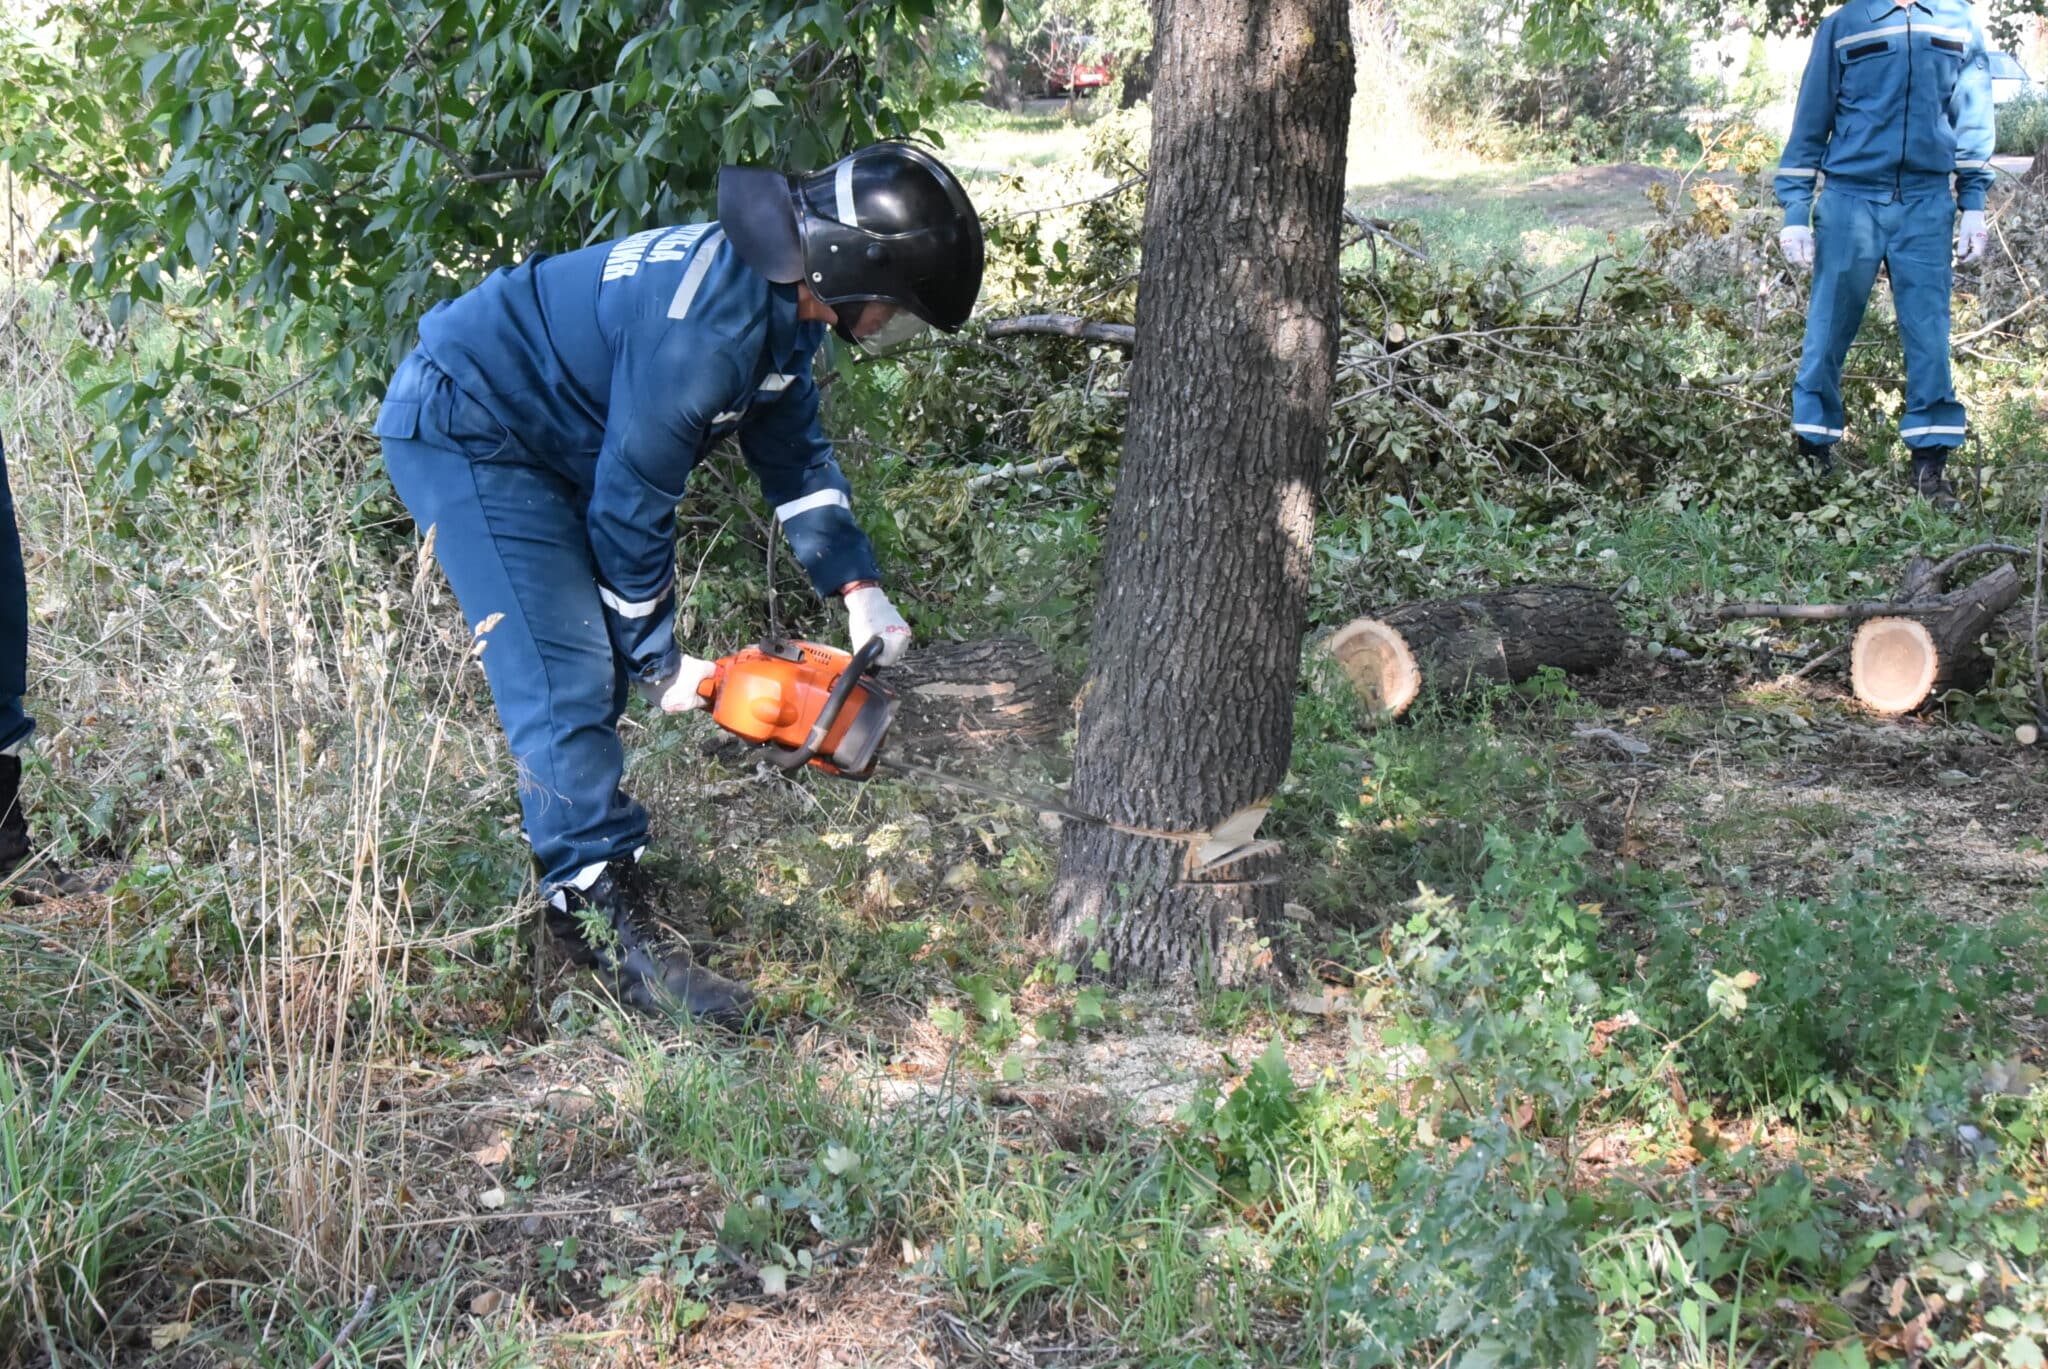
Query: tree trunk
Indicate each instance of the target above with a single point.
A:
(1000, 88)
(1187, 716)
(1449, 645)
(959, 698)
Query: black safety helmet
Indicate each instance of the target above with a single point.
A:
(888, 223)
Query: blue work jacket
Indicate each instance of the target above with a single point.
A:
(1895, 100)
(618, 365)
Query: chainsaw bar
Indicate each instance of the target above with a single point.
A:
(1037, 803)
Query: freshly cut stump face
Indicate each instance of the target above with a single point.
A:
(1892, 664)
(1379, 664)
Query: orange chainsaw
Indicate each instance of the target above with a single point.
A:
(805, 703)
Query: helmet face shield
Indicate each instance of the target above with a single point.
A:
(896, 332)
(890, 222)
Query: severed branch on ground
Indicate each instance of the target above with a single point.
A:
(1910, 649)
(1063, 325)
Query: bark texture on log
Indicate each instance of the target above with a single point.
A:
(1927, 647)
(1188, 711)
(1502, 637)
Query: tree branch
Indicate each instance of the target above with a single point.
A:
(1875, 608)
(1938, 574)
(1119, 188)
(1377, 228)
(1064, 325)
(348, 1327)
(456, 161)
(62, 181)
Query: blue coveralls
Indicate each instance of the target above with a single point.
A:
(544, 429)
(1896, 100)
(16, 726)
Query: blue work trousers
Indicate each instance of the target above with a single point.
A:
(509, 533)
(1914, 240)
(16, 726)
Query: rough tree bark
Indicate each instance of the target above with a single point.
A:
(960, 698)
(1197, 643)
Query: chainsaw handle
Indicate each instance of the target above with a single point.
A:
(842, 688)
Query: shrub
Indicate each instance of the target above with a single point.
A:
(1819, 1000)
(2022, 126)
(1493, 93)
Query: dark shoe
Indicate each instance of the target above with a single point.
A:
(613, 929)
(1819, 457)
(28, 879)
(1930, 481)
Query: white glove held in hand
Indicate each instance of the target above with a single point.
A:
(1972, 237)
(678, 693)
(1796, 242)
(870, 614)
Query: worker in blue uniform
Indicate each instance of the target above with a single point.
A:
(542, 433)
(1892, 135)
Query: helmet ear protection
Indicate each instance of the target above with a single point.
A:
(888, 223)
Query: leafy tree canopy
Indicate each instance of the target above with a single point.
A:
(315, 174)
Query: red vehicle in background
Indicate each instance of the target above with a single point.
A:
(1073, 65)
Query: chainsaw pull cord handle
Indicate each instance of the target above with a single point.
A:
(842, 689)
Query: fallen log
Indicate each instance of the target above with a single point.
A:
(1448, 646)
(1929, 645)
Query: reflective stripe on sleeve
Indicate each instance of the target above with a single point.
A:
(823, 499)
(1802, 171)
(627, 608)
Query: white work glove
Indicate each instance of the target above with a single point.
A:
(870, 614)
(678, 692)
(1796, 242)
(1972, 237)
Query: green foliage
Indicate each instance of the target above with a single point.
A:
(1590, 80)
(1472, 1252)
(2023, 126)
(1815, 1004)
(1049, 397)
(1470, 1257)
(305, 180)
(1248, 1135)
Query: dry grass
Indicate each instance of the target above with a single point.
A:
(273, 722)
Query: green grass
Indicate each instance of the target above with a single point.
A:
(983, 143)
(1475, 212)
(96, 1196)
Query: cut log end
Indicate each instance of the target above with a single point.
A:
(1893, 663)
(1377, 661)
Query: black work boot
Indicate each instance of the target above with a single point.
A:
(612, 928)
(28, 880)
(1819, 458)
(1929, 480)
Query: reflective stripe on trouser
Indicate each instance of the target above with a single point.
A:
(511, 541)
(1915, 241)
(15, 724)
